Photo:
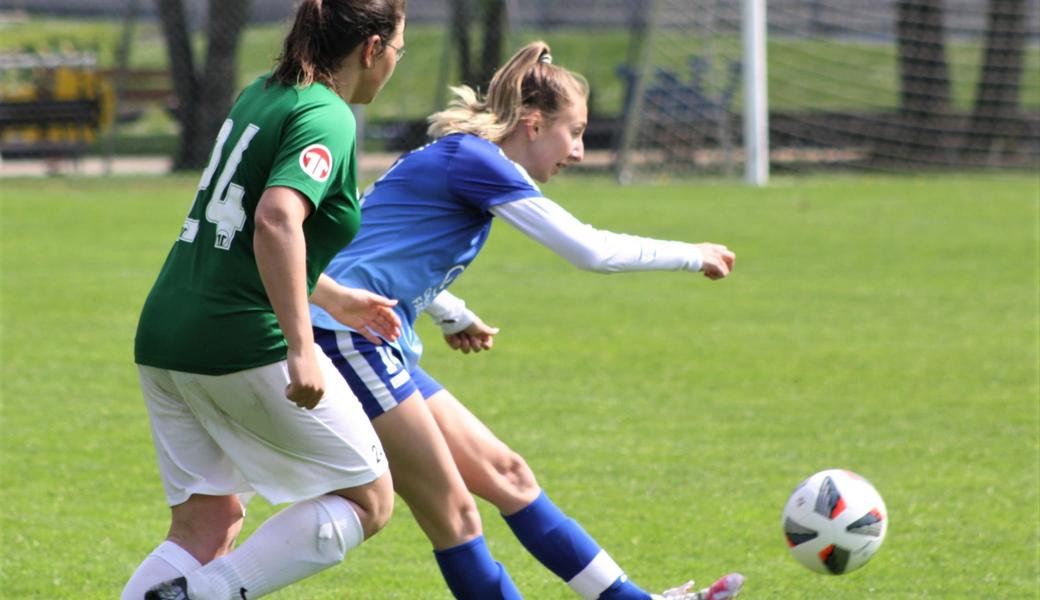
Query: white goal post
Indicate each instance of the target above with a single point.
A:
(756, 94)
(694, 89)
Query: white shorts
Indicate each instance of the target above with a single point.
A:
(238, 433)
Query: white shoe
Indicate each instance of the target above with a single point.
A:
(723, 589)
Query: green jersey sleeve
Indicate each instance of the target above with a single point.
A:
(316, 142)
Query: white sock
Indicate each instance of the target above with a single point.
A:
(301, 540)
(167, 561)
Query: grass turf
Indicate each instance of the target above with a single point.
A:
(888, 325)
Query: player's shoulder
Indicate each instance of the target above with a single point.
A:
(476, 155)
(474, 147)
(311, 103)
(319, 101)
(316, 94)
(457, 151)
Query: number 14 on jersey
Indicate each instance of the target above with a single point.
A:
(224, 208)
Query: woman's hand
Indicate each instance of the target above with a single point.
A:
(306, 382)
(475, 338)
(369, 314)
(716, 260)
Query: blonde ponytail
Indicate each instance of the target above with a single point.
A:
(528, 82)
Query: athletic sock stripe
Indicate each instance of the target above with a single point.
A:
(589, 582)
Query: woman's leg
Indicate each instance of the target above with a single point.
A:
(295, 543)
(288, 454)
(206, 526)
(201, 529)
(202, 526)
(501, 476)
(488, 466)
(496, 473)
(420, 461)
(426, 478)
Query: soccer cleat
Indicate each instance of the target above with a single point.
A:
(723, 589)
(174, 589)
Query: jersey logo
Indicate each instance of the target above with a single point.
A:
(316, 161)
(420, 303)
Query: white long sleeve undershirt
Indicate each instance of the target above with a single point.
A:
(593, 249)
(449, 312)
(580, 244)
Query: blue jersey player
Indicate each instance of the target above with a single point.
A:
(424, 221)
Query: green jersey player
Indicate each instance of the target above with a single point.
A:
(239, 397)
(209, 311)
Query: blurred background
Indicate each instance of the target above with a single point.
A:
(887, 85)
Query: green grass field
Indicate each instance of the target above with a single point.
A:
(888, 325)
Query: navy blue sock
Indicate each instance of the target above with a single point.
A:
(559, 543)
(472, 574)
(623, 589)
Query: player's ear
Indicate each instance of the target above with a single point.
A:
(533, 124)
(370, 49)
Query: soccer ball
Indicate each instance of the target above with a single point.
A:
(834, 522)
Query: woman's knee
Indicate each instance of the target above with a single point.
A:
(467, 516)
(456, 520)
(373, 503)
(448, 515)
(504, 479)
(382, 504)
(206, 526)
(515, 471)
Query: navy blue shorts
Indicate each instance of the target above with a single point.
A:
(376, 374)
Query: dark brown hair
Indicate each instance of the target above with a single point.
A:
(324, 32)
(528, 82)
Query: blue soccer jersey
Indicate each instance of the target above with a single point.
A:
(422, 223)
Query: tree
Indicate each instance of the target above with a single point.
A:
(494, 16)
(1000, 80)
(461, 16)
(924, 81)
(495, 25)
(924, 73)
(204, 95)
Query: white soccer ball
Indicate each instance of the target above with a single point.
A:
(834, 522)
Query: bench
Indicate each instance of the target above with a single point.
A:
(52, 106)
(47, 128)
(140, 88)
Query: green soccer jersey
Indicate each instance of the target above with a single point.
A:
(208, 311)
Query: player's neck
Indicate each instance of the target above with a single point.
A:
(515, 147)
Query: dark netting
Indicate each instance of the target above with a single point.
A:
(884, 85)
(888, 85)
(907, 84)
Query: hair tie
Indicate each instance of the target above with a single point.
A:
(545, 57)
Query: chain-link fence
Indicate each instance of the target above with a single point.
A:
(906, 84)
(886, 85)
(890, 84)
